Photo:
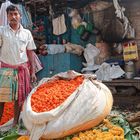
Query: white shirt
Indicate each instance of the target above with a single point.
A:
(15, 44)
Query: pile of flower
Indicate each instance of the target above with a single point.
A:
(114, 127)
(107, 132)
(8, 112)
(53, 93)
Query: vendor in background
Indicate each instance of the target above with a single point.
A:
(16, 51)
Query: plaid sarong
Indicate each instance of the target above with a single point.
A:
(24, 86)
(8, 84)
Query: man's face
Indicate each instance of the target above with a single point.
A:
(13, 17)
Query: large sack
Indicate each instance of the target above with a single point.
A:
(86, 107)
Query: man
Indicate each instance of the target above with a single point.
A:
(16, 51)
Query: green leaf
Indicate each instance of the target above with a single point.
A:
(68, 138)
(126, 130)
(128, 136)
(135, 138)
(10, 137)
(104, 129)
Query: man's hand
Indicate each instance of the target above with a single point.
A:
(33, 78)
(31, 58)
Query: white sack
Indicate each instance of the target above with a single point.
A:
(86, 103)
(74, 48)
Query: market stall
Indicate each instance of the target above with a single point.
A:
(88, 81)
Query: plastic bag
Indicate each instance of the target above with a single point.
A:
(90, 54)
(107, 72)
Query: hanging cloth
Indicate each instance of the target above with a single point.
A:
(59, 26)
(3, 14)
(26, 17)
